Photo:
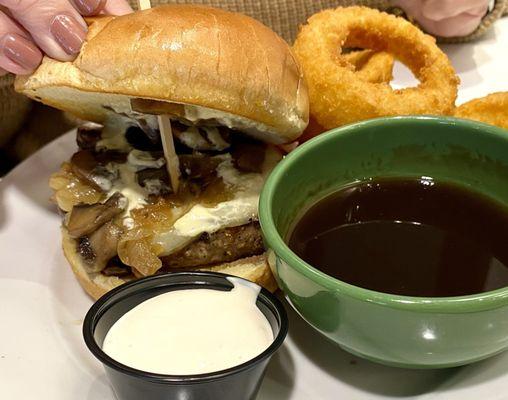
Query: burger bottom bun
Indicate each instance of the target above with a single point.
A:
(255, 269)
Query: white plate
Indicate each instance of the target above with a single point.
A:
(42, 354)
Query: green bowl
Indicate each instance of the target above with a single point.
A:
(403, 331)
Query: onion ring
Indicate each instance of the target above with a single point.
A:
(338, 97)
(491, 109)
(376, 67)
(371, 66)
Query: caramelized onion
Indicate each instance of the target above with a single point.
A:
(71, 190)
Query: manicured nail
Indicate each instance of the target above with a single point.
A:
(69, 34)
(21, 51)
(89, 7)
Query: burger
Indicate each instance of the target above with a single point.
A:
(233, 92)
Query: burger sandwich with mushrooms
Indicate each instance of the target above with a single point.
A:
(233, 92)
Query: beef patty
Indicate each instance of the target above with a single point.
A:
(225, 245)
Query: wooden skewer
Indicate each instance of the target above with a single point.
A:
(144, 4)
(168, 145)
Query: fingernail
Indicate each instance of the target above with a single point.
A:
(68, 32)
(89, 7)
(21, 51)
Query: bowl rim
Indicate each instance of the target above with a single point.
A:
(197, 278)
(453, 304)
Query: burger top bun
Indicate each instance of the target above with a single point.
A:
(191, 62)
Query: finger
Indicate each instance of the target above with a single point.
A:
(109, 7)
(89, 7)
(3, 72)
(55, 25)
(117, 7)
(18, 54)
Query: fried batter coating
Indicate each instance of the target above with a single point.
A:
(371, 66)
(491, 109)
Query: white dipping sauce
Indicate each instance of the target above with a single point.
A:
(191, 331)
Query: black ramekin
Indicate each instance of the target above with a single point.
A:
(238, 383)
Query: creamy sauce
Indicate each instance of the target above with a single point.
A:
(124, 115)
(224, 215)
(191, 331)
(113, 135)
(144, 159)
(128, 186)
(214, 136)
(202, 114)
(242, 209)
(238, 211)
(192, 138)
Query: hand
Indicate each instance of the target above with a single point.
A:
(31, 28)
(445, 18)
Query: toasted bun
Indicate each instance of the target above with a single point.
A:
(254, 269)
(191, 61)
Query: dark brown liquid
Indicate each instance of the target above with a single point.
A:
(414, 237)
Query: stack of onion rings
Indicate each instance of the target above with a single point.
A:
(491, 109)
(339, 96)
